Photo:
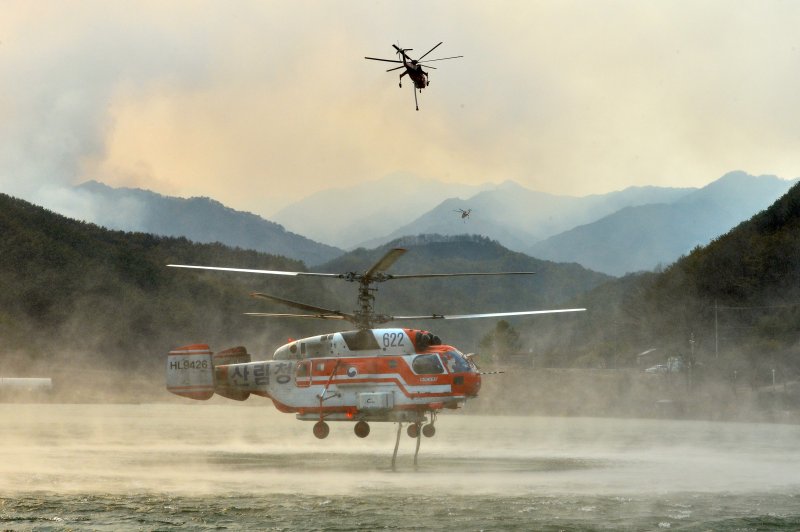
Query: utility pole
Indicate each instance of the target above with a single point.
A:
(716, 331)
(691, 361)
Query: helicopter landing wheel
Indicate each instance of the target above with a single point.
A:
(361, 429)
(321, 430)
(413, 430)
(428, 430)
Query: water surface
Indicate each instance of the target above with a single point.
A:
(243, 467)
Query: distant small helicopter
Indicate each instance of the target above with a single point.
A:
(464, 213)
(413, 67)
(370, 374)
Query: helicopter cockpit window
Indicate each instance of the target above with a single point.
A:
(427, 365)
(360, 340)
(455, 362)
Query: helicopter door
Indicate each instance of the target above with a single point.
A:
(302, 374)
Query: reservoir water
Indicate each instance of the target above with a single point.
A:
(246, 466)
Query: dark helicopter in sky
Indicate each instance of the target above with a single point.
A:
(413, 67)
(464, 213)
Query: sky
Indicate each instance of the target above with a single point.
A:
(261, 103)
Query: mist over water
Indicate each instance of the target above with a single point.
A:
(169, 466)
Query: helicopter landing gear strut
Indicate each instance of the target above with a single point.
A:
(416, 451)
(396, 445)
(321, 429)
(414, 430)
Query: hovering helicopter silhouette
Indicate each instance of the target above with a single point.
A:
(413, 67)
(370, 374)
(464, 213)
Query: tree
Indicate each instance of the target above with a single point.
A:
(501, 343)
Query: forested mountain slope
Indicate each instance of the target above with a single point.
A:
(71, 290)
(734, 303)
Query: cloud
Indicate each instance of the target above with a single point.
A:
(260, 103)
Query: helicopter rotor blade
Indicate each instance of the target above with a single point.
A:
(424, 275)
(484, 315)
(384, 263)
(429, 51)
(375, 273)
(440, 59)
(303, 306)
(244, 270)
(307, 316)
(386, 60)
(396, 68)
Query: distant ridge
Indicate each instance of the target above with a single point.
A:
(517, 217)
(348, 216)
(642, 237)
(199, 219)
(635, 229)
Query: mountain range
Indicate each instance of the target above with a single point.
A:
(516, 216)
(641, 237)
(348, 217)
(635, 229)
(595, 231)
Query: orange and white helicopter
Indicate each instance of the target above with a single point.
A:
(365, 375)
(413, 67)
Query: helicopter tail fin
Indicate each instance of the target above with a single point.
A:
(194, 372)
(190, 372)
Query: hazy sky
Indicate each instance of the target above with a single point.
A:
(260, 103)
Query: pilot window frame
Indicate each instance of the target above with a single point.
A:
(418, 364)
(460, 363)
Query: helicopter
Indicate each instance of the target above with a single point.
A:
(413, 67)
(370, 374)
(464, 213)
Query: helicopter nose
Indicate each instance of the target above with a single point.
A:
(468, 384)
